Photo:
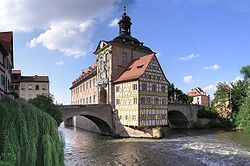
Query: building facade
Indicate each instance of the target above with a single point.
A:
(114, 60)
(84, 89)
(6, 62)
(141, 93)
(199, 96)
(28, 87)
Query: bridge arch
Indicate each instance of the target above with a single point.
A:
(177, 119)
(100, 114)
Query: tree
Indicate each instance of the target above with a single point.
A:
(175, 94)
(221, 100)
(243, 117)
(239, 93)
(245, 70)
(46, 104)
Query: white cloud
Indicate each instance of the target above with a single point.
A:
(114, 22)
(188, 79)
(189, 57)
(210, 88)
(59, 63)
(65, 25)
(214, 67)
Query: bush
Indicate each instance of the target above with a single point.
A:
(28, 136)
(198, 125)
(46, 104)
(207, 112)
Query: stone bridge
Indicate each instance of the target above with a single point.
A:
(100, 114)
(179, 115)
(182, 115)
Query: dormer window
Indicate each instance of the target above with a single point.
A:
(139, 67)
(124, 57)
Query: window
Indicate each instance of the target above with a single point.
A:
(117, 88)
(133, 117)
(163, 89)
(37, 87)
(94, 82)
(135, 100)
(120, 117)
(156, 100)
(16, 87)
(90, 83)
(149, 76)
(94, 99)
(12, 87)
(83, 87)
(29, 87)
(86, 100)
(126, 117)
(87, 84)
(117, 101)
(154, 88)
(90, 100)
(2, 80)
(23, 96)
(29, 96)
(142, 100)
(144, 86)
(44, 87)
(134, 86)
(163, 101)
(83, 101)
(148, 100)
(124, 57)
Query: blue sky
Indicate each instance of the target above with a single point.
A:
(199, 42)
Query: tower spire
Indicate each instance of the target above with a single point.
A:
(124, 8)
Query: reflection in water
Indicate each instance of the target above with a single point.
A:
(180, 147)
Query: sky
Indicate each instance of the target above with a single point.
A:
(198, 42)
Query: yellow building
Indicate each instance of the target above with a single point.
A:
(6, 61)
(84, 89)
(28, 87)
(141, 93)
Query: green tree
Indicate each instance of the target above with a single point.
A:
(245, 70)
(175, 94)
(238, 93)
(243, 117)
(46, 104)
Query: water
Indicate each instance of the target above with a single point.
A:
(180, 147)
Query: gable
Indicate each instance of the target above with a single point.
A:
(155, 67)
(100, 45)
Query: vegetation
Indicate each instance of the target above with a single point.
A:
(28, 136)
(46, 104)
(175, 94)
(243, 117)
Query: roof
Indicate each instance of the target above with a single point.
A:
(87, 73)
(135, 69)
(6, 40)
(196, 92)
(15, 71)
(30, 79)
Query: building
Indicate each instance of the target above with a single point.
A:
(129, 77)
(141, 93)
(28, 87)
(6, 61)
(199, 96)
(84, 89)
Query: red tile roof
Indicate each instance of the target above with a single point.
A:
(29, 79)
(135, 69)
(6, 40)
(15, 71)
(87, 73)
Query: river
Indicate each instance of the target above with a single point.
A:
(180, 147)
